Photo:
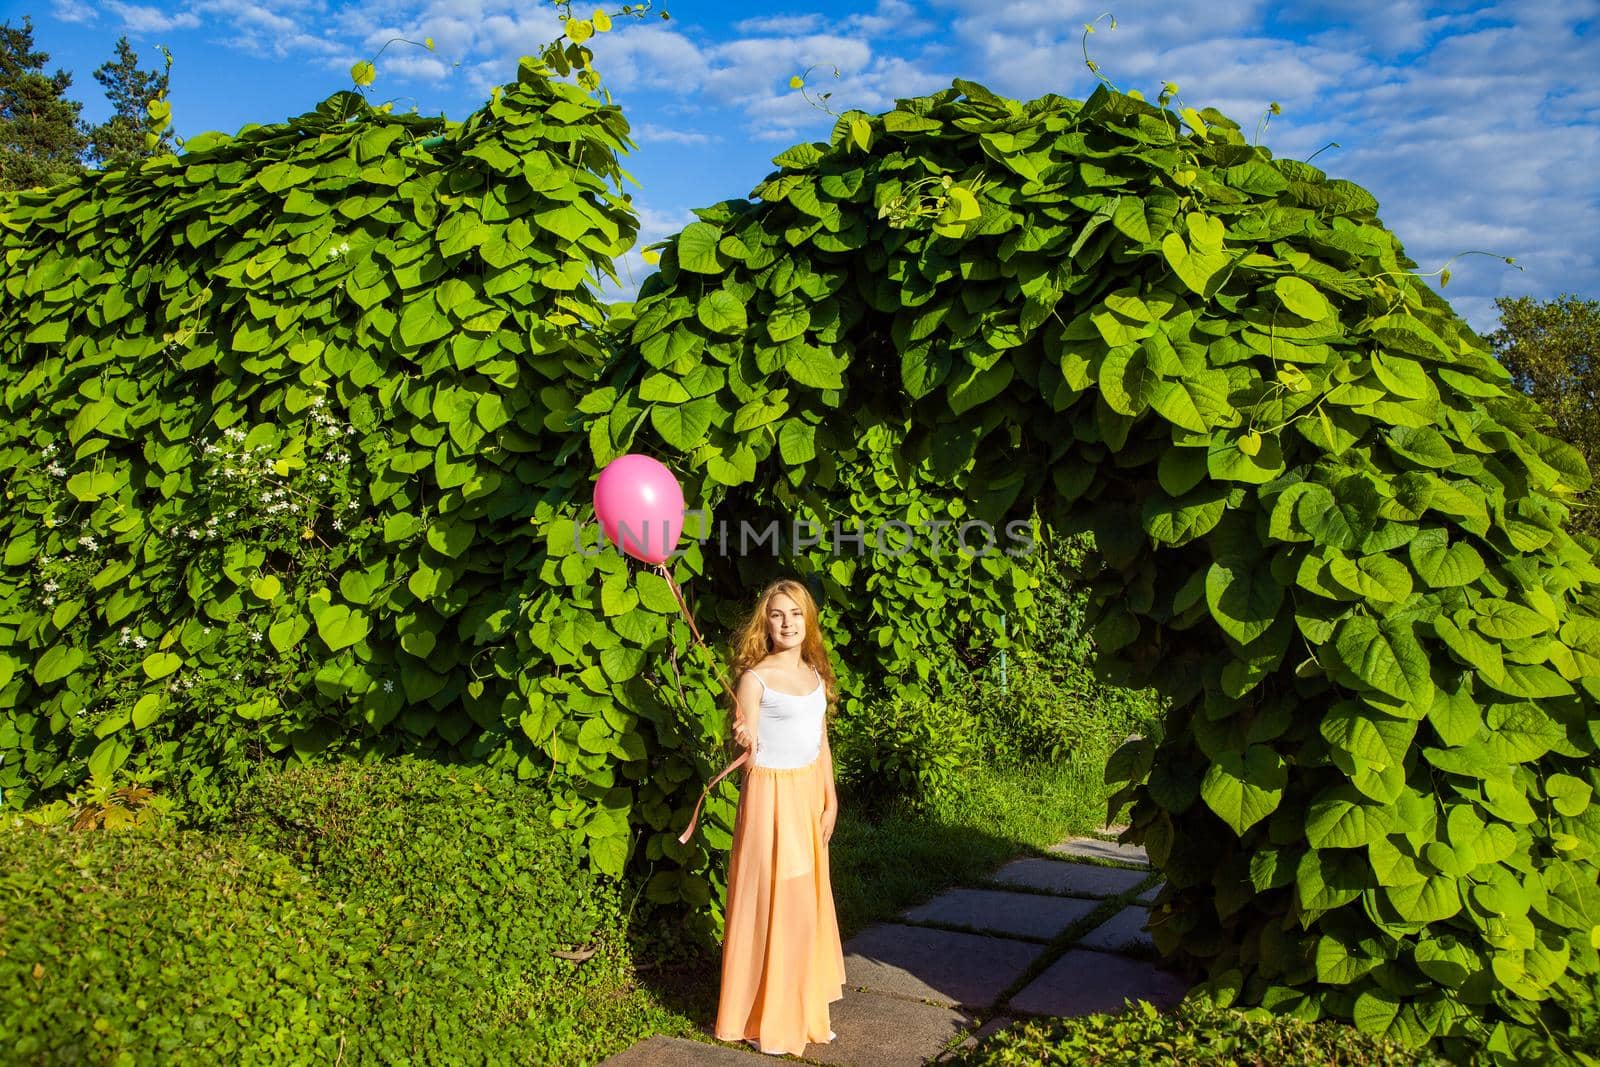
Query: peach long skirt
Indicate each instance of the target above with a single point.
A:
(782, 962)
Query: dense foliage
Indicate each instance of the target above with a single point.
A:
(280, 414)
(1332, 534)
(382, 913)
(1194, 1036)
(1552, 349)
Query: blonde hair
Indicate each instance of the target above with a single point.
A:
(751, 643)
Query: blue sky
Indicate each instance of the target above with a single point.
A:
(1473, 124)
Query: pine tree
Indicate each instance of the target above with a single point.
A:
(120, 139)
(40, 137)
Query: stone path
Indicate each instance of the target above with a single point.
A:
(1057, 936)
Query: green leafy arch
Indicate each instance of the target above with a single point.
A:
(1330, 531)
(1332, 534)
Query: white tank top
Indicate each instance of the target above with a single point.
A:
(789, 727)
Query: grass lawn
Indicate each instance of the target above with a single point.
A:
(882, 864)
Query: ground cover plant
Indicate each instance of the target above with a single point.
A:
(1196, 1034)
(1328, 532)
(372, 913)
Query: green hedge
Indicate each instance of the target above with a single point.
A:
(1192, 1036)
(402, 912)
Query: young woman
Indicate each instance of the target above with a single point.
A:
(782, 963)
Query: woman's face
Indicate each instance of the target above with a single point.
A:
(786, 622)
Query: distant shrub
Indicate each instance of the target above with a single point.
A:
(907, 747)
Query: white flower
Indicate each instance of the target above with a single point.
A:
(194, 534)
(322, 476)
(349, 431)
(47, 601)
(318, 401)
(50, 587)
(388, 685)
(337, 525)
(255, 635)
(49, 450)
(123, 639)
(236, 676)
(88, 542)
(58, 470)
(44, 561)
(139, 642)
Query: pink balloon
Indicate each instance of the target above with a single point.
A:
(640, 507)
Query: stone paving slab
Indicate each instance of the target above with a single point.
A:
(998, 912)
(937, 965)
(875, 1030)
(1083, 983)
(1075, 879)
(1123, 931)
(660, 1051)
(1093, 848)
(1149, 895)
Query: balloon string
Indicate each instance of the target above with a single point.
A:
(695, 630)
(722, 676)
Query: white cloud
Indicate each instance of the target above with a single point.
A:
(141, 19)
(651, 57)
(780, 24)
(648, 132)
(891, 16)
(654, 225)
(73, 11)
(244, 15)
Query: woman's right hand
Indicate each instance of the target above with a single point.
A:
(741, 733)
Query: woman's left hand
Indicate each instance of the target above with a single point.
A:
(829, 816)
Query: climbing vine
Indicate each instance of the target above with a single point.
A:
(1331, 534)
(301, 425)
